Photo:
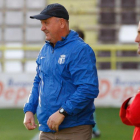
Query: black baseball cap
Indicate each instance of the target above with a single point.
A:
(52, 10)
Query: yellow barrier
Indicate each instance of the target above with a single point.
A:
(113, 49)
(113, 58)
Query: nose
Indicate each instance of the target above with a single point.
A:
(137, 38)
(43, 27)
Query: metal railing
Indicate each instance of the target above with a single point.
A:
(112, 59)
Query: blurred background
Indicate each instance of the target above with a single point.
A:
(110, 28)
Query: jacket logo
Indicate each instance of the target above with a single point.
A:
(42, 57)
(61, 59)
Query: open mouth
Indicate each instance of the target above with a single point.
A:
(46, 33)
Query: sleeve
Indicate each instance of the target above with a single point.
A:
(131, 115)
(84, 75)
(32, 101)
(123, 113)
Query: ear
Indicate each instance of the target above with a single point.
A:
(62, 23)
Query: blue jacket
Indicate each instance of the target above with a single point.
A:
(66, 77)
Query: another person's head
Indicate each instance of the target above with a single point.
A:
(54, 20)
(81, 33)
(138, 38)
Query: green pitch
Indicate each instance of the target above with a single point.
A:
(11, 125)
(110, 125)
(12, 128)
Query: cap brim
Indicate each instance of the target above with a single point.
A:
(40, 17)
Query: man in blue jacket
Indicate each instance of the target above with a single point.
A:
(66, 82)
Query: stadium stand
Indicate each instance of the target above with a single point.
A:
(128, 17)
(30, 22)
(37, 4)
(30, 66)
(13, 67)
(1, 4)
(14, 18)
(14, 54)
(14, 4)
(1, 17)
(0, 35)
(33, 35)
(9, 37)
(107, 3)
(107, 35)
(128, 3)
(117, 19)
(124, 37)
(107, 18)
(104, 22)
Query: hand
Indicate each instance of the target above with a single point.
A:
(55, 120)
(29, 121)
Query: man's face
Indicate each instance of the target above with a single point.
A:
(51, 28)
(138, 38)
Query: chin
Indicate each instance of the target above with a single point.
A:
(138, 51)
(47, 39)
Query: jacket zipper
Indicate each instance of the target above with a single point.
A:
(52, 50)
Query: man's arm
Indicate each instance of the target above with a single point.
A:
(32, 102)
(84, 76)
(123, 112)
(29, 121)
(55, 120)
(130, 111)
(31, 105)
